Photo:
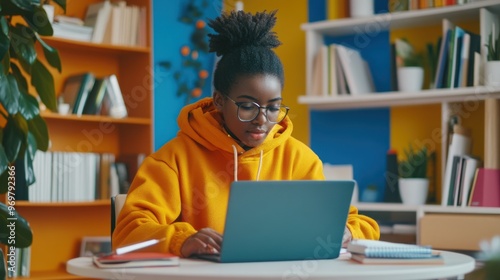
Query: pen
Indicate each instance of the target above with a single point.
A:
(137, 246)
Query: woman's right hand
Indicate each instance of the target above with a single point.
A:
(205, 241)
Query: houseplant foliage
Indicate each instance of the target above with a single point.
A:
(415, 164)
(413, 182)
(24, 81)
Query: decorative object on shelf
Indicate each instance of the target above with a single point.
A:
(492, 66)
(23, 131)
(370, 194)
(391, 192)
(361, 8)
(410, 71)
(192, 75)
(413, 181)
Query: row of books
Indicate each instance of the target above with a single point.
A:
(340, 70)
(87, 94)
(458, 62)
(117, 23)
(19, 266)
(466, 181)
(405, 5)
(73, 176)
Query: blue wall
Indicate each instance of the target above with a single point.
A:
(169, 36)
(359, 137)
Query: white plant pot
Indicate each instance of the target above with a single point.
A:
(492, 73)
(361, 8)
(413, 191)
(410, 78)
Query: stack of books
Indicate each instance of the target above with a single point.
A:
(383, 252)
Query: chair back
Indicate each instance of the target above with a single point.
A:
(116, 206)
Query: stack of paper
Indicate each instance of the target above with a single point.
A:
(375, 252)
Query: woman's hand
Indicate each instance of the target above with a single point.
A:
(205, 241)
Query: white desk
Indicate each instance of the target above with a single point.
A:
(342, 268)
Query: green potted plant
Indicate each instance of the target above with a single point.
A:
(410, 72)
(492, 66)
(24, 82)
(413, 179)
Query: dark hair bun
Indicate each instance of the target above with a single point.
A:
(240, 29)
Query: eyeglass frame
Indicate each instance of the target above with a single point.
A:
(238, 104)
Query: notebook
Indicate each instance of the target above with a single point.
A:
(284, 220)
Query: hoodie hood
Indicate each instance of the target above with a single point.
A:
(202, 122)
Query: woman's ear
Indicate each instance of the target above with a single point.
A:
(218, 100)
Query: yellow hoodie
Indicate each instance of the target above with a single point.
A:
(184, 186)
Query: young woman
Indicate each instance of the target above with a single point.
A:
(180, 192)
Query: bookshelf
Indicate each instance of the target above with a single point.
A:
(433, 224)
(438, 102)
(58, 227)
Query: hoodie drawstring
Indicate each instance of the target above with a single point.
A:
(235, 154)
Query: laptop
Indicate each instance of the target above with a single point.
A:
(284, 220)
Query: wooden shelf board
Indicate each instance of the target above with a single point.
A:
(100, 202)
(428, 208)
(387, 99)
(401, 20)
(60, 43)
(95, 118)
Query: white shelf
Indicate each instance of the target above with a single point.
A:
(401, 20)
(387, 99)
(399, 207)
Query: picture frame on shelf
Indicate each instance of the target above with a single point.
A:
(94, 245)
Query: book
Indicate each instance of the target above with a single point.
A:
(356, 71)
(136, 259)
(461, 144)
(72, 31)
(113, 104)
(471, 165)
(434, 259)
(95, 97)
(76, 90)
(385, 249)
(97, 17)
(486, 189)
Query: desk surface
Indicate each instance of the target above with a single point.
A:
(341, 268)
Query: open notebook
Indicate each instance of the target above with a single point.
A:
(284, 220)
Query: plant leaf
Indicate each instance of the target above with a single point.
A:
(29, 172)
(38, 128)
(9, 95)
(28, 106)
(37, 19)
(21, 80)
(61, 3)
(3, 157)
(22, 43)
(23, 233)
(44, 84)
(51, 54)
(4, 38)
(13, 137)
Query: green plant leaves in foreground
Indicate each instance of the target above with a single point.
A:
(15, 229)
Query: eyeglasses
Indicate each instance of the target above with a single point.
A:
(248, 111)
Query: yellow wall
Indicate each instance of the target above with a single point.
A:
(291, 14)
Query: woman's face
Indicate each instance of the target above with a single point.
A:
(265, 90)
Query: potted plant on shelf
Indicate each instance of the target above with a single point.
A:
(413, 180)
(492, 66)
(24, 82)
(410, 70)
